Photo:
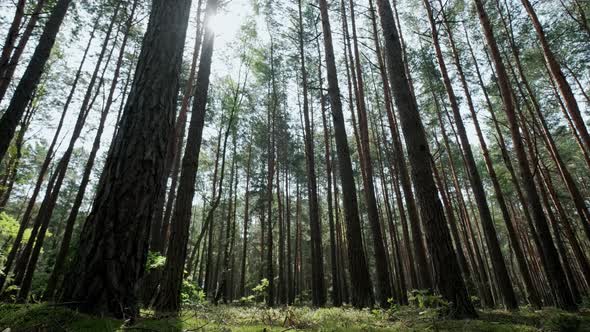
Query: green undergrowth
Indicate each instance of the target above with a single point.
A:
(46, 317)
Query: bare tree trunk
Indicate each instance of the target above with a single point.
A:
(8, 65)
(318, 286)
(11, 37)
(557, 75)
(30, 79)
(531, 291)
(443, 259)
(169, 295)
(554, 267)
(361, 281)
(336, 287)
(242, 285)
(44, 167)
(114, 241)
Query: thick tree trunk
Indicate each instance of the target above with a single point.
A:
(114, 241)
(169, 294)
(446, 271)
(418, 270)
(72, 217)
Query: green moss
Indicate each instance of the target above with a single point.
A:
(45, 317)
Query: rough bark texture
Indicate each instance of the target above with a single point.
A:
(446, 272)
(169, 295)
(72, 217)
(114, 241)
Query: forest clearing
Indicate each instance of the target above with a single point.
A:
(276, 165)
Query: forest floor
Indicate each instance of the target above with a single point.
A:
(45, 317)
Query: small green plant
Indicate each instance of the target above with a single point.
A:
(428, 302)
(394, 308)
(155, 261)
(247, 300)
(191, 294)
(260, 290)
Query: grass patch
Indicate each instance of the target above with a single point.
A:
(46, 317)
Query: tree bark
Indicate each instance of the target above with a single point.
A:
(318, 286)
(557, 75)
(30, 79)
(8, 65)
(114, 241)
(169, 294)
(242, 285)
(554, 267)
(359, 273)
(446, 272)
(72, 217)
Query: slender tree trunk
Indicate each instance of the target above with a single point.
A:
(44, 167)
(318, 287)
(579, 254)
(384, 290)
(12, 166)
(222, 287)
(484, 285)
(336, 288)
(557, 75)
(8, 65)
(554, 267)
(30, 79)
(242, 286)
(533, 297)
(498, 265)
(282, 294)
(11, 37)
(290, 290)
(359, 273)
(31, 253)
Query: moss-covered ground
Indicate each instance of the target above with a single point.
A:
(46, 317)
